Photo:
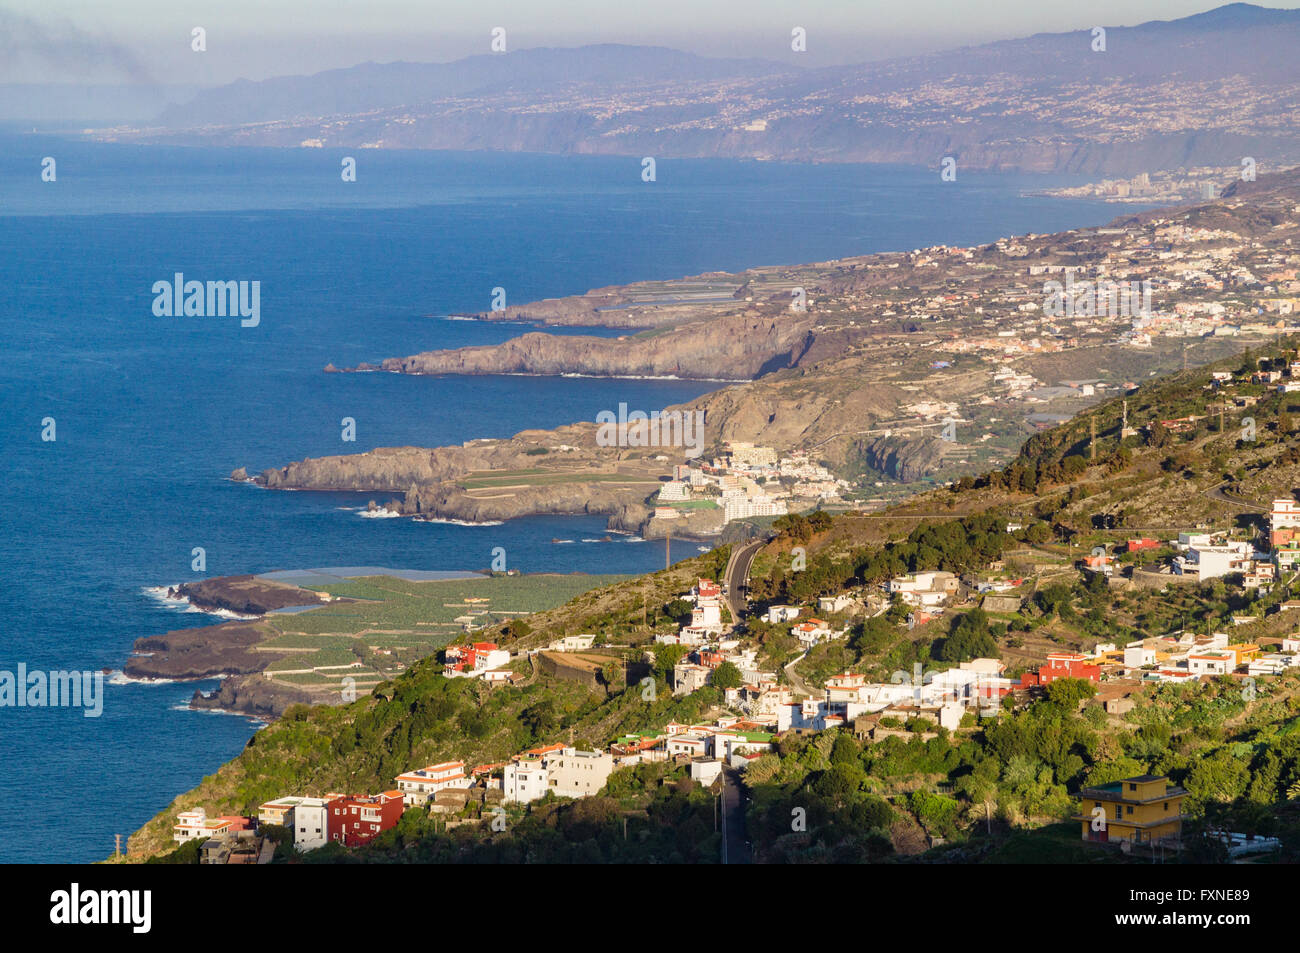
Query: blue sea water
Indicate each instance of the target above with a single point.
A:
(152, 413)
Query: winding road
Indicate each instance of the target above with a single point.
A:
(736, 577)
(1219, 494)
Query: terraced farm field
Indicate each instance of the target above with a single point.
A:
(386, 623)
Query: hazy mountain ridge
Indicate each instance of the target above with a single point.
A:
(1202, 90)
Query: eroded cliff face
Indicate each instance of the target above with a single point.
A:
(397, 469)
(903, 459)
(449, 501)
(732, 347)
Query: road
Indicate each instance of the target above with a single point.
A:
(737, 577)
(796, 681)
(1218, 493)
(734, 848)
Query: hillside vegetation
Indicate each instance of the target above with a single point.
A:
(1199, 453)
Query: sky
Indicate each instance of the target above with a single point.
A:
(148, 41)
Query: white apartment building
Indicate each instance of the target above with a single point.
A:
(764, 505)
(1285, 514)
(674, 491)
(707, 614)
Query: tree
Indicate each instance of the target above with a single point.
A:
(1067, 693)
(679, 610)
(727, 676)
(969, 638)
(1220, 777)
(666, 657)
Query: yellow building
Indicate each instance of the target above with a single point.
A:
(1244, 651)
(1143, 810)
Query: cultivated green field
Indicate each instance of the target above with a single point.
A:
(395, 622)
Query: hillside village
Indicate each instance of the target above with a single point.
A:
(1132, 566)
(762, 707)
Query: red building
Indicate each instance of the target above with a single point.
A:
(710, 658)
(355, 819)
(1137, 545)
(466, 658)
(1061, 665)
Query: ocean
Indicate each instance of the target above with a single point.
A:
(152, 413)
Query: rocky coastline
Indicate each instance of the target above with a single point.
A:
(728, 348)
(252, 695)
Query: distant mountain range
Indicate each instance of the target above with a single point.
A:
(1203, 90)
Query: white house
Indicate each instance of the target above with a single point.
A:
(836, 603)
(811, 632)
(689, 677)
(706, 770)
(189, 825)
(310, 827)
(572, 643)
(777, 614)
(420, 785)
(196, 824)
(1269, 665)
(1137, 656)
(576, 773)
(1211, 562)
(1211, 663)
(524, 780)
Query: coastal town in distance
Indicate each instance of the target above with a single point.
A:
(725, 435)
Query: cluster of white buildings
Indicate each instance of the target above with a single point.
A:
(924, 589)
(940, 696)
(1184, 655)
(1215, 555)
(748, 481)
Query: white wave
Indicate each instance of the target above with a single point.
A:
(119, 677)
(258, 723)
(561, 540)
(434, 519)
(160, 594)
(383, 513)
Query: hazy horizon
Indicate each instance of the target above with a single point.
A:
(147, 42)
